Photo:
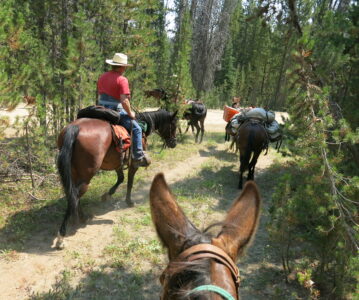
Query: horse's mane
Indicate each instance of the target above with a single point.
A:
(154, 119)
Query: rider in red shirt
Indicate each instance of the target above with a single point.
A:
(114, 93)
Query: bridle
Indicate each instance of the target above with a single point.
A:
(170, 139)
(202, 251)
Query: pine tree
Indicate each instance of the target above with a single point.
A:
(15, 43)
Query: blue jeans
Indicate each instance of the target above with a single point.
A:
(126, 121)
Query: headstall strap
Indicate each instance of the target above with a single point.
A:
(210, 251)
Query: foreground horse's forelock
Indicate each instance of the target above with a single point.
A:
(201, 272)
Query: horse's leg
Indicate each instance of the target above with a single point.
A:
(82, 190)
(280, 144)
(179, 128)
(242, 168)
(198, 129)
(75, 212)
(201, 122)
(188, 124)
(120, 177)
(72, 210)
(63, 228)
(252, 165)
(131, 175)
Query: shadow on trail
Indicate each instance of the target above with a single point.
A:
(225, 154)
(33, 230)
(108, 282)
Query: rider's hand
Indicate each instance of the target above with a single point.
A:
(132, 115)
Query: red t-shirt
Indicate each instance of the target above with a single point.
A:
(113, 84)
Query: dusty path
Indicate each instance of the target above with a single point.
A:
(37, 269)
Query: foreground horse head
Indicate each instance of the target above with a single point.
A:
(201, 266)
(86, 146)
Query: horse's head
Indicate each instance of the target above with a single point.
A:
(200, 265)
(156, 93)
(168, 130)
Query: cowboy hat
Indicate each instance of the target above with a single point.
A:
(119, 59)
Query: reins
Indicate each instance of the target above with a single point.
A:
(202, 251)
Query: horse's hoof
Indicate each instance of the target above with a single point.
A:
(60, 244)
(85, 218)
(130, 203)
(106, 197)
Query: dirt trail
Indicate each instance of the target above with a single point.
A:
(37, 269)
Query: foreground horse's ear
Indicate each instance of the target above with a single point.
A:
(241, 222)
(171, 224)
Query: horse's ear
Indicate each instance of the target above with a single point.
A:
(171, 224)
(174, 114)
(241, 222)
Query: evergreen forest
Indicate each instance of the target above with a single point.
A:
(295, 56)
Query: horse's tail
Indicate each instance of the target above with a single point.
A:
(250, 143)
(64, 166)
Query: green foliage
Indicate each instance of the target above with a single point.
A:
(313, 216)
(179, 82)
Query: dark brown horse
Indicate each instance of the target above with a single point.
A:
(201, 266)
(86, 146)
(196, 114)
(250, 140)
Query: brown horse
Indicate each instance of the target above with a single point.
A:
(196, 114)
(201, 265)
(161, 95)
(86, 146)
(250, 140)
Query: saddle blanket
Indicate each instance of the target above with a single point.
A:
(123, 135)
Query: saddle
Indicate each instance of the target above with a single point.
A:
(99, 112)
(120, 135)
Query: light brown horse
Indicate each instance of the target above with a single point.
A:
(161, 95)
(86, 146)
(201, 266)
(250, 140)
